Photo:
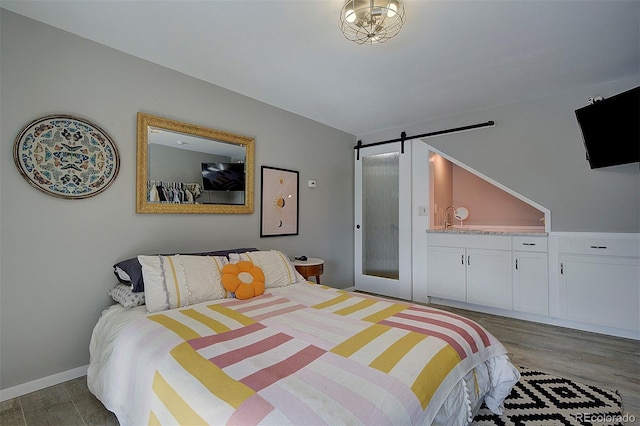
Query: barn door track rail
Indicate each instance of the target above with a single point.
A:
(403, 136)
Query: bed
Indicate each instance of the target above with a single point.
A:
(295, 353)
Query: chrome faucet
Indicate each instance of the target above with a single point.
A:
(446, 223)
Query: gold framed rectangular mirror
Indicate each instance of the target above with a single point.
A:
(186, 168)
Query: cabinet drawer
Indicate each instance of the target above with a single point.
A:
(628, 247)
(535, 244)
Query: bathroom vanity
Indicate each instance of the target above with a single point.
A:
(585, 281)
(490, 269)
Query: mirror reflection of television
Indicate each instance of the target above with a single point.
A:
(611, 129)
(223, 176)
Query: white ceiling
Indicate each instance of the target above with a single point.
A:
(450, 57)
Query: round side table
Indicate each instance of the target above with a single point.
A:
(312, 267)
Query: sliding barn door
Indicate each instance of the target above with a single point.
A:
(383, 220)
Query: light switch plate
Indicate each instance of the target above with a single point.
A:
(311, 183)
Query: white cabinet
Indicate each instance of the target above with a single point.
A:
(470, 268)
(489, 278)
(530, 275)
(588, 281)
(600, 281)
(447, 273)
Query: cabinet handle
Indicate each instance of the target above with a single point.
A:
(516, 264)
(469, 260)
(598, 247)
(528, 244)
(462, 259)
(561, 268)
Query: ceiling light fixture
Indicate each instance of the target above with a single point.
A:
(371, 21)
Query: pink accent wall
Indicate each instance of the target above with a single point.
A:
(441, 176)
(489, 205)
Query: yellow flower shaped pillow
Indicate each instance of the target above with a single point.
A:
(244, 279)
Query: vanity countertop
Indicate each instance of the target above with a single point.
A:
(478, 231)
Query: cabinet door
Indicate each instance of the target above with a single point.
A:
(489, 278)
(446, 273)
(602, 290)
(530, 282)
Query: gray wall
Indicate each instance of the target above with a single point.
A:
(536, 149)
(56, 255)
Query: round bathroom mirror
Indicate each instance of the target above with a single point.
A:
(461, 213)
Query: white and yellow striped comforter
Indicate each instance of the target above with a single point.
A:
(304, 354)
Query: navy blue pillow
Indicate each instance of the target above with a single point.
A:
(133, 269)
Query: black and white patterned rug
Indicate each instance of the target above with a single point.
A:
(541, 399)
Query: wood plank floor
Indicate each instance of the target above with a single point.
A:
(603, 361)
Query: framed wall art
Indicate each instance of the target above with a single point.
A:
(66, 156)
(279, 192)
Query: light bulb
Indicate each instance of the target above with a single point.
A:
(392, 10)
(350, 16)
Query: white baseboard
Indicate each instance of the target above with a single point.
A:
(45, 382)
(592, 328)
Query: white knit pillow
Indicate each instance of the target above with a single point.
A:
(278, 271)
(122, 294)
(176, 281)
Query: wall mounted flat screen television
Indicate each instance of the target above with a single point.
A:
(223, 176)
(611, 129)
